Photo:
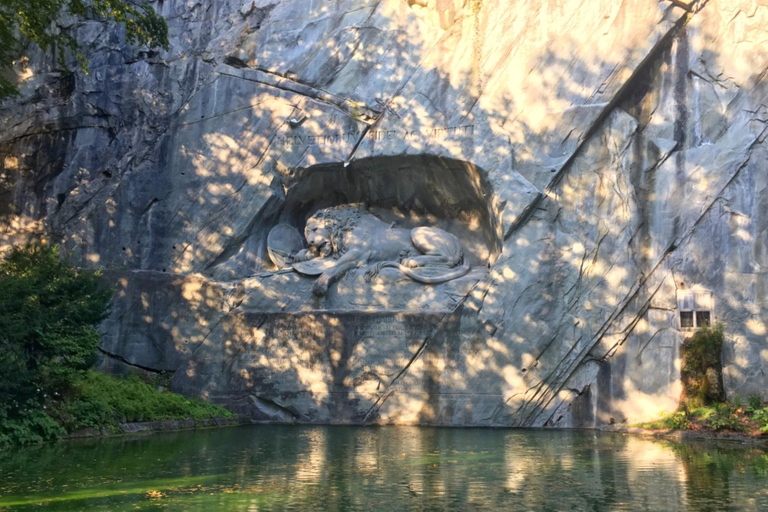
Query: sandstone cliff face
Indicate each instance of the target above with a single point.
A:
(594, 158)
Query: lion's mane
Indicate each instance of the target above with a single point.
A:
(339, 220)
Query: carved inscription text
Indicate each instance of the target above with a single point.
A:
(337, 137)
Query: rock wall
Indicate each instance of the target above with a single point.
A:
(593, 157)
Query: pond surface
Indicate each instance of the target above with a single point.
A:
(260, 468)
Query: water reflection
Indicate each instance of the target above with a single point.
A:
(388, 468)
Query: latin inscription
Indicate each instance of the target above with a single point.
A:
(337, 137)
(308, 328)
(322, 329)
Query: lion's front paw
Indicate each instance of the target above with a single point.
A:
(410, 263)
(320, 287)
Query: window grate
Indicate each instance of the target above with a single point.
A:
(696, 309)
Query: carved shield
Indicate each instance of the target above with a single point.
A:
(283, 240)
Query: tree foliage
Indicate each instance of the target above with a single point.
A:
(36, 21)
(48, 313)
(48, 343)
(102, 400)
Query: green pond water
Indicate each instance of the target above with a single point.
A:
(260, 468)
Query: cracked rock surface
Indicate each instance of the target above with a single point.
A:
(595, 158)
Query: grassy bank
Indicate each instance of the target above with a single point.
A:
(48, 341)
(750, 418)
(102, 402)
(702, 405)
(103, 399)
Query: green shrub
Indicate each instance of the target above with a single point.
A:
(30, 426)
(676, 421)
(761, 417)
(754, 402)
(103, 400)
(48, 341)
(48, 310)
(702, 413)
(725, 418)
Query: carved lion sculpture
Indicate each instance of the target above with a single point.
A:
(341, 238)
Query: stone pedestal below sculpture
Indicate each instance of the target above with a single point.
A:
(307, 364)
(329, 367)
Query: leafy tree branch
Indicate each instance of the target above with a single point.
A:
(36, 21)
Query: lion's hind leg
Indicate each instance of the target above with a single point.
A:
(437, 247)
(374, 269)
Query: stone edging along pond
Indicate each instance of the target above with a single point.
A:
(146, 427)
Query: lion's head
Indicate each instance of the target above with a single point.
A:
(325, 228)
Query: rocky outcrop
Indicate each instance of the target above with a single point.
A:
(593, 158)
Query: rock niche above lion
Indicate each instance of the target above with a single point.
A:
(409, 233)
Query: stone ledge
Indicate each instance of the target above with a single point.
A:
(160, 426)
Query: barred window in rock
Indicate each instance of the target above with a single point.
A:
(696, 308)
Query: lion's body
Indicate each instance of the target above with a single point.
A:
(358, 238)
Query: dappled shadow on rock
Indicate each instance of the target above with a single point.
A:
(593, 155)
